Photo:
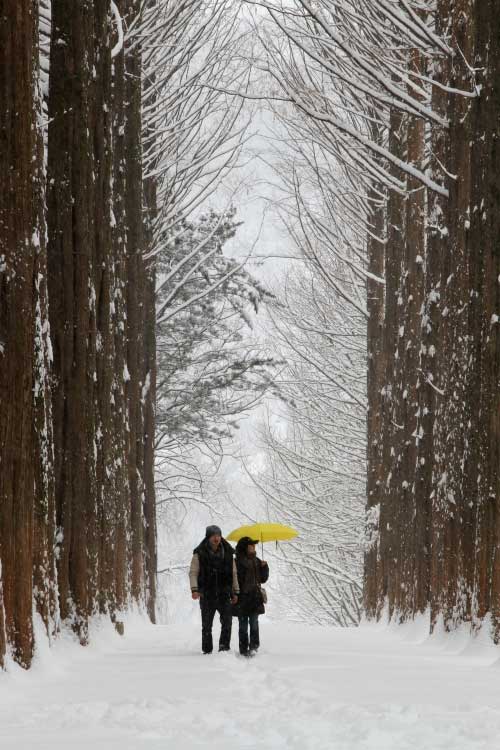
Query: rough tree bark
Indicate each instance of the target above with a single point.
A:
(148, 405)
(454, 434)
(116, 575)
(100, 292)
(412, 491)
(408, 242)
(388, 570)
(140, 207)
(441, 433)
(70, 251)
(376, 363)
(484, 234)
(21, 242)
(77, 506)
(135, 294)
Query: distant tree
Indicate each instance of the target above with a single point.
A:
(209, 371)
(314, 445)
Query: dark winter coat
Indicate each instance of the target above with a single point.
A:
(251, 574)
(215, 575)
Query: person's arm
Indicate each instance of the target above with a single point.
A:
(194, 571)
(264, 571)
(236, 585)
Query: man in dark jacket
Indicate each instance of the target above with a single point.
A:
(252, 572)
(214, 581)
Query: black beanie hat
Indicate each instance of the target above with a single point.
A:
(212, 531)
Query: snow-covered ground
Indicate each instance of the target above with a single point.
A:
(310, 688)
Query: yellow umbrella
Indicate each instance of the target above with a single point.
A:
(264, 532)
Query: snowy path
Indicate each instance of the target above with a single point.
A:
(310, 689)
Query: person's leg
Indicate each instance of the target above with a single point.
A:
(226, 622)
(243, 634)
(254, 632)
(208, 608)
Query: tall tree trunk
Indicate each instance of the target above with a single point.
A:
(149, 386)
(148, 403)
(413, 492)
(135, 315)
(439, 531)
(44, 563)
(77, 505)
(484, 248)
(70, 250)
(21, 241)
(103, 269)
(376, 364)
(120, 524)
(390, 537)
(456, 368)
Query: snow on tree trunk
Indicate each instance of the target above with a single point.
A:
(71, 205)
(375, 293)
(117, 519)
(97, 305)
(148, 401)
(133, 373)
(77, 324)
(436, 535)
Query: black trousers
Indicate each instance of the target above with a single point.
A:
(249, 622)
(209, 606)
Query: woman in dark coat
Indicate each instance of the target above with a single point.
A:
(252, 572)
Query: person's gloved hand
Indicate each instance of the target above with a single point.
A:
(234, 599)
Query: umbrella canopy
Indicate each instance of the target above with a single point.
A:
(264, 532)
